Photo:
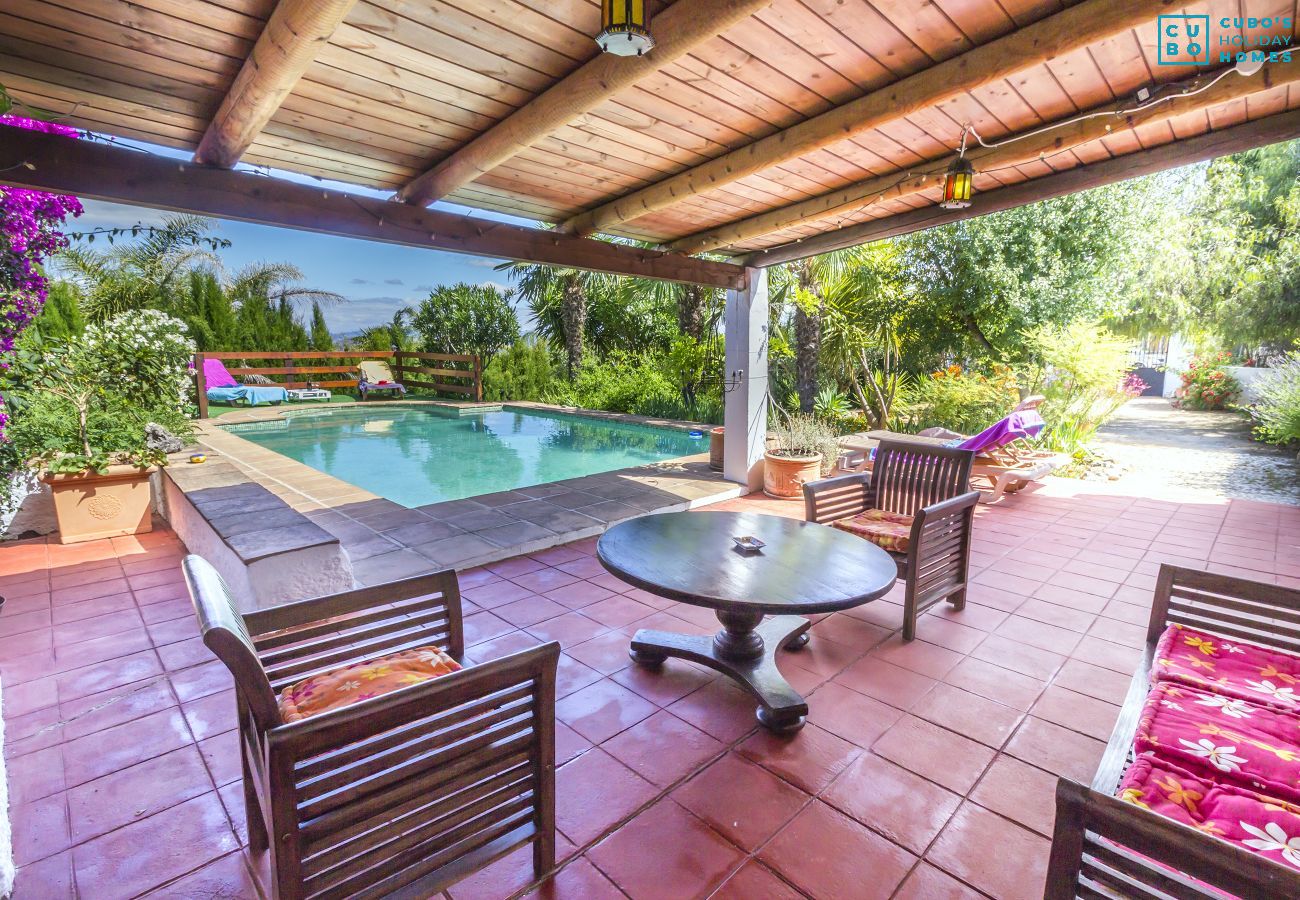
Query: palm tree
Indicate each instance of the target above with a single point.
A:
(277, 282)
(144, 273)
(558, 299)
(806, 283)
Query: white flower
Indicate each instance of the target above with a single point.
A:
(1269, 689)
(1222, 758)
(1236, 709)
(1172, 704)
(1232, 648)
(1272, 838)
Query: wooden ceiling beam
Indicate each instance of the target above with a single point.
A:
(1035, 144)
(1071, 29)
(1267, 130)
(119, 175)
(293, 35)
(678, 30)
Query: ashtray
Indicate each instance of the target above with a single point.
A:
(748, 543)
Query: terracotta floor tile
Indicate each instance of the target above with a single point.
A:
(998, 857)
(1020, 792)
(971, 715)
(543, 580)
(1056, 749)
(40, 829)
(1039, 634)
(200, 681)
(927, 659)
(213, 714)
(505, 877)
(829, 856)
(99, 806)
(49, 879)
(529, 611)
(1078, 712)
(35, 775)
(112, 673)
(122, 746)
(665, 852)
(719, 708)
(666, 684)
(603, 709)
(617, 611)
(823, 656)
(229, 876)
(595, 791)
(1107, 655)
(606, 653)
(928, 883)
(809, 759)
(755, 881)
(935, 753)
(902, 806)
(579, 880)
(579, 595)
(484, 626)
(1094, 681)
(1020, 658)
(194, 833)
(850, 715)
(501, 645)
(724, 795)
(663, 748)
(511, 568)
(572, 676)
(995, 683)
(569, 629)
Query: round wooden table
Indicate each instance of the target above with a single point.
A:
(803, 568)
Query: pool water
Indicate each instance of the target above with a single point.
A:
(420, 455)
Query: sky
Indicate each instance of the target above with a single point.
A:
(377, 279)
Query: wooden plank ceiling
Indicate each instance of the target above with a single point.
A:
(400, 85)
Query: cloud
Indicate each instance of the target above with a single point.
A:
(115, 215)
(361, 312)
(424, 288)
(360, 281)
(483, 262)
(394, 281)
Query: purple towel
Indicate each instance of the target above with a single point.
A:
(216, 376)
(1025, 424)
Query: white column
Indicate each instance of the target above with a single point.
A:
(745, 381)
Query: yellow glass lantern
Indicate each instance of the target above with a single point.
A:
(625, 28)
(958, 184)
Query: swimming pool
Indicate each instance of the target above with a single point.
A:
(416, 455)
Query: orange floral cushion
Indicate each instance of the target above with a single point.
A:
(363, 680)
(887, 530)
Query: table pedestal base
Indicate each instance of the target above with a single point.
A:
(745, 651)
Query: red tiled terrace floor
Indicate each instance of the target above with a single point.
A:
(926, 769)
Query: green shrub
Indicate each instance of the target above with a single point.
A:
(1206, 385)
(622, 382)
(1277, 412)
(523, 371)
(961, 401)
(1085, 376)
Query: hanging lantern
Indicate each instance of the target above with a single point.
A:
(957, 184)
(625, 28)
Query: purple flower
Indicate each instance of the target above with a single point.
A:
(29, 232)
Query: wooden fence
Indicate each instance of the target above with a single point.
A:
(451, 373)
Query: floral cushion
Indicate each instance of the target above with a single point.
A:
(362, 681)
(1227, 666)
(1224, 739)
(1255, 821)
(887, 530)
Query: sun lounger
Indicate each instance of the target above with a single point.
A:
(221, 387)
(375, 375)
(996, 471)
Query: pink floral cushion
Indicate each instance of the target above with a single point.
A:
(1224, 739)
(1257, 822)
(1228, 666)
(887, 530)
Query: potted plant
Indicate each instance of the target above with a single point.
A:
(801, 450)
(83, 413)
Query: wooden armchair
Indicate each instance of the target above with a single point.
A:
(404, 792)
(931, 485)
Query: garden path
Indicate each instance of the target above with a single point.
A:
(1179, 453)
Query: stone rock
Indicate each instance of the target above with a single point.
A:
(158, 438)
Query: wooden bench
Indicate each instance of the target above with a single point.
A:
(1103, 847)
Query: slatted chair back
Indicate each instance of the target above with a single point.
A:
(226, 635)
(1261, 613)
(909, 475)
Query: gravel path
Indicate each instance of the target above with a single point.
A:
(1180, 452)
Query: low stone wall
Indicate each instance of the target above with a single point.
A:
(268, 553)
(1250, 378)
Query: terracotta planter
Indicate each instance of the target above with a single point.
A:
(784, 476)
(715, 448)
(90, 506)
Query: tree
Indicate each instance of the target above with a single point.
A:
(321, 339)
(391, 335)
(61, 317)
(466, 318)
(557, 297)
